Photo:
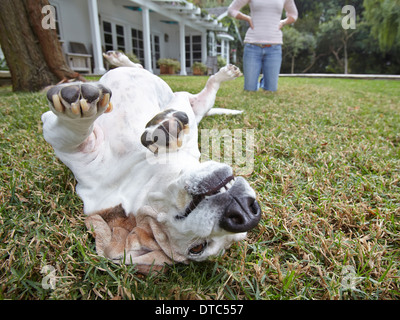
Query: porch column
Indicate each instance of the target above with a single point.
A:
(223, 49)
(204, 52)
(96, 38)
(146, 38)
(182, 49)
(228, 50)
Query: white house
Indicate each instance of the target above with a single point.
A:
(151, 29)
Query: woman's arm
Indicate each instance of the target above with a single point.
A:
(245, 17)
(291, 13)
(288, 20)
(234, 11)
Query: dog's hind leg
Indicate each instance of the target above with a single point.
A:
(204, 101)
(118, 59)
(75, 107)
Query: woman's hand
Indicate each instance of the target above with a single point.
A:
(286, 21)
(245, 17)
(250, 21)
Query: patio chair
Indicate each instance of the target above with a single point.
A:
(78, 57)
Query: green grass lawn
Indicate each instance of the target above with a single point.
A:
(327, 174)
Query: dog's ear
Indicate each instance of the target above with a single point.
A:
(147, 219)
(126, 239)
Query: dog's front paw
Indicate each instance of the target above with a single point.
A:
(79, 100)
(229, 72)
(165, 131)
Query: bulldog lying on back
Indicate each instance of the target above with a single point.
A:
(145, 206)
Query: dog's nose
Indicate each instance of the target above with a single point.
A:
(242, 214)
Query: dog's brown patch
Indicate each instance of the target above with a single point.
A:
(139, 240)
(117, 217)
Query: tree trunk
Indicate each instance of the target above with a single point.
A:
(32, 53)
(345, 41)
(336, 55)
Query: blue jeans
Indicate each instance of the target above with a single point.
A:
(266, 60)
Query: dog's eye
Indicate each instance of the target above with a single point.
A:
(198, 249)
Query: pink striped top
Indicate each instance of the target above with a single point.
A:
(266, 15)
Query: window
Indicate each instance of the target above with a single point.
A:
(108, 38)
(223, 49)
(120, 38)
(192, 49)
(57, 20)
(113, 36)
(155, 49)
(137, 44)
(196, 48)
(212, 50)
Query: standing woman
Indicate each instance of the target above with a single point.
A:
(263, 41)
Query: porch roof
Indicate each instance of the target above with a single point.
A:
(180, 11)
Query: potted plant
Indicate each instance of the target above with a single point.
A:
(198, 68)
(133, 57)
(221, 62)
(169, 66)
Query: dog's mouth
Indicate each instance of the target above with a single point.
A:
(232, 201)
(221, 187)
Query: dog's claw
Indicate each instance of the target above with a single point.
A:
(186, 129)
(84, 105)
(105, 100)
(57, 103)
(109, 108)
(75, 108)
(179, 142)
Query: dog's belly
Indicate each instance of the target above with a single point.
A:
(128, 183)
(137, 95)
(121, 172)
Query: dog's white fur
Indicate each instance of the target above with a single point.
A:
(112, 167)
